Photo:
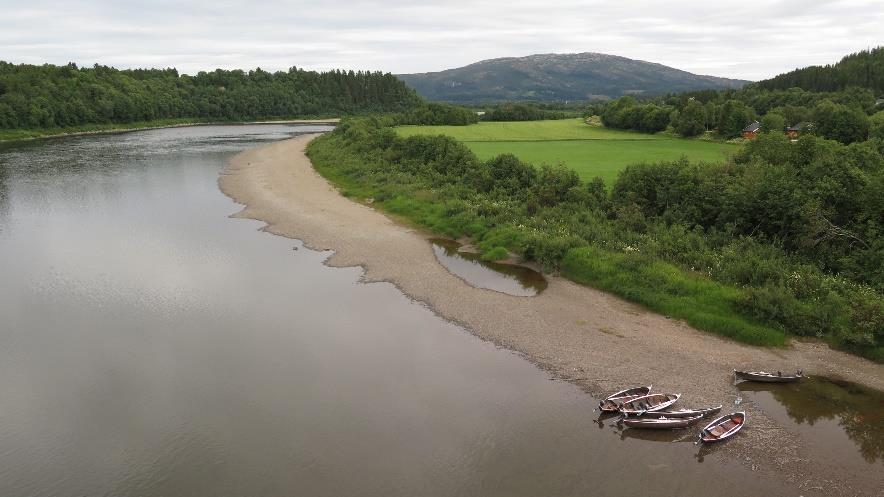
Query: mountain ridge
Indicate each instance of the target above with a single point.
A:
(556, 77)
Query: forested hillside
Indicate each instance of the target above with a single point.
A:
(49, 96)
(864, 69)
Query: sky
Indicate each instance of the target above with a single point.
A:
(745, 40)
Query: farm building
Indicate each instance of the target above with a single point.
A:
(796, 130)
(751, 131)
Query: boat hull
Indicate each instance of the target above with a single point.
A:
(764, 377)
(686, 413)
(723, 428)
(649, 403)
(661, 423)
(613, 402)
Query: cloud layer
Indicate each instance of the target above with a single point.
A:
(750, 41)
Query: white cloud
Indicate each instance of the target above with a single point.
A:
(751, 41)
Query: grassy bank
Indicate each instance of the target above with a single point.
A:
(668, 290)
(665, 288)
(592, 151)
(684, 239)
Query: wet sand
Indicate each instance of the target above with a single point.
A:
(578, 334)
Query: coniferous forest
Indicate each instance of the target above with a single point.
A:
(864, 69)
(49, 96)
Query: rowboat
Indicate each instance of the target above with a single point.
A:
(685, 413)
(649, 403)
(612, 402)
(661, 423)
(766, 377)
(723, 427)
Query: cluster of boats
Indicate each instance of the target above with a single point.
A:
(640, 408)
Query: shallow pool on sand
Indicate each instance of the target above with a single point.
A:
(505, 278)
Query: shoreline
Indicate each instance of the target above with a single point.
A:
(579, 334)
(130, 129)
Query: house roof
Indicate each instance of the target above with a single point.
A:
(798, 127)
(755, 126)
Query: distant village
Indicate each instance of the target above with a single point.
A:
(751, 131)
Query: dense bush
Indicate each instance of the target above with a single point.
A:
(840, 122)
(523, 112)
(786, 238)
(434, 114)
(626, 113)
(691, 120)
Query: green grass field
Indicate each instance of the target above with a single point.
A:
(590, 150)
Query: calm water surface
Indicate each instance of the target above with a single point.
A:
(151, 346)
(506, 278)
(840, 419)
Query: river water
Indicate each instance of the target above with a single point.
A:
(153, 346)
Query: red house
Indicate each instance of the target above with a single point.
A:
(751, 131)
(794, 131)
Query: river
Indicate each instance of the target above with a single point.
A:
(153, 346)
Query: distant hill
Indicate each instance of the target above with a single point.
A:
(864, 69)
(555, 77)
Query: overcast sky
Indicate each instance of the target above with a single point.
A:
(748, 40)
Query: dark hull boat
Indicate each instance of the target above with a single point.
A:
(723, 427)
(685, 413)
(660, 423)
(649, 403)
(766, 377)
(612, 402)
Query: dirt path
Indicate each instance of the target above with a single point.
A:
(580, 334)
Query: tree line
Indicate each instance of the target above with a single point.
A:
(837, 101)
(849, 115)
(49, 96)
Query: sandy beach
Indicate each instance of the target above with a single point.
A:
(578, 334)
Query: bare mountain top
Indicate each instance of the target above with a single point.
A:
(558, 77)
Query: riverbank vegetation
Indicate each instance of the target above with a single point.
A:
(591, 151)
(782, 239)
(41, 99)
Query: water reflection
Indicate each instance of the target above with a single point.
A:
(4, 190)
(152, 346)
(505, 278)
(838, 411)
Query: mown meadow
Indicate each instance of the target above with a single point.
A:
(591, 151)
(780, 239)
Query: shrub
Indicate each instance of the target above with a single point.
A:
(496, 254)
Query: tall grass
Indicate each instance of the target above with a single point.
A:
(669, 290)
